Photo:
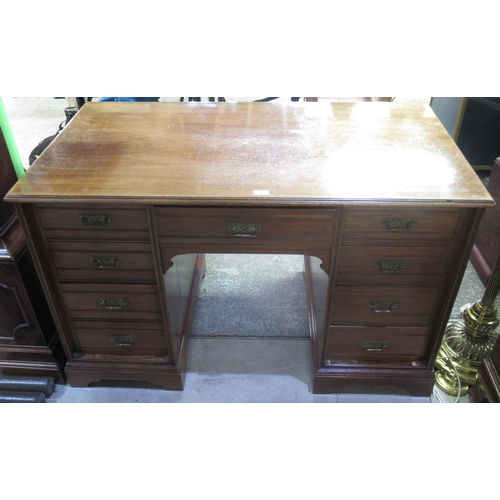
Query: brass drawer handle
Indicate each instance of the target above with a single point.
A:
(244, 229)
(115, 304)
(391, 267)
(382, 307)
(95, 220)
(374, 346)
(395, 224)
(123, 340)
(105, 262)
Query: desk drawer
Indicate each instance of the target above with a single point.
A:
(365, 343)
(94, 222)
(245, 224)
(123, 339)
(382, 305)
(365, 264)
(398, 225)
(108, 261)
(112, 301)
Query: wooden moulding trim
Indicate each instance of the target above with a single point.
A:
(83, 372)
(418, 380)
(260, 201)
(33, 368)
(31, 349)
(12, 243)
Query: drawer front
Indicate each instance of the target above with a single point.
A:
(94, 222)
(382, 305)
(399, 225)
(365, 343)
(122, 339)
(257, 225)
(108, 261)
(365, 264)
(112, 301)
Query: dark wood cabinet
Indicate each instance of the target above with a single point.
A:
(486, 249)
(474, 123)
(121, 208)
(479, 136)
(29, 343)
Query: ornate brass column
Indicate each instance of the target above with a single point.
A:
(467, 342)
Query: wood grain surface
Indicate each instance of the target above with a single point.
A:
(253, 154)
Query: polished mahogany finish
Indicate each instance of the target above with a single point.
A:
(253, 154)
(29, 344)
(121, 208)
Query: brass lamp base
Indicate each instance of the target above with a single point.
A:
(466, 344)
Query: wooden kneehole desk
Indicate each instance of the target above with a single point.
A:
(120, 210)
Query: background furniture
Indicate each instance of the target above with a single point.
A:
(121, 261)
(474, 124)
(487, 244)
(29, 344)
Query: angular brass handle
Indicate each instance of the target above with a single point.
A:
(391, 266)
(95, 220)
(382, 307)
(374, 346)
(115, 304)
(123, 340)
(105, 262)
(244, 229)
(399, 224)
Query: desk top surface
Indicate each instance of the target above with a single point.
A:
(253, 154)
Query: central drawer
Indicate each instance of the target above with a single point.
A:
(240, 224)
(112, 301)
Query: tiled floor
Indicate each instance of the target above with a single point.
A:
(236, 354)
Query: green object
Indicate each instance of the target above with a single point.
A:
(11, 143)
